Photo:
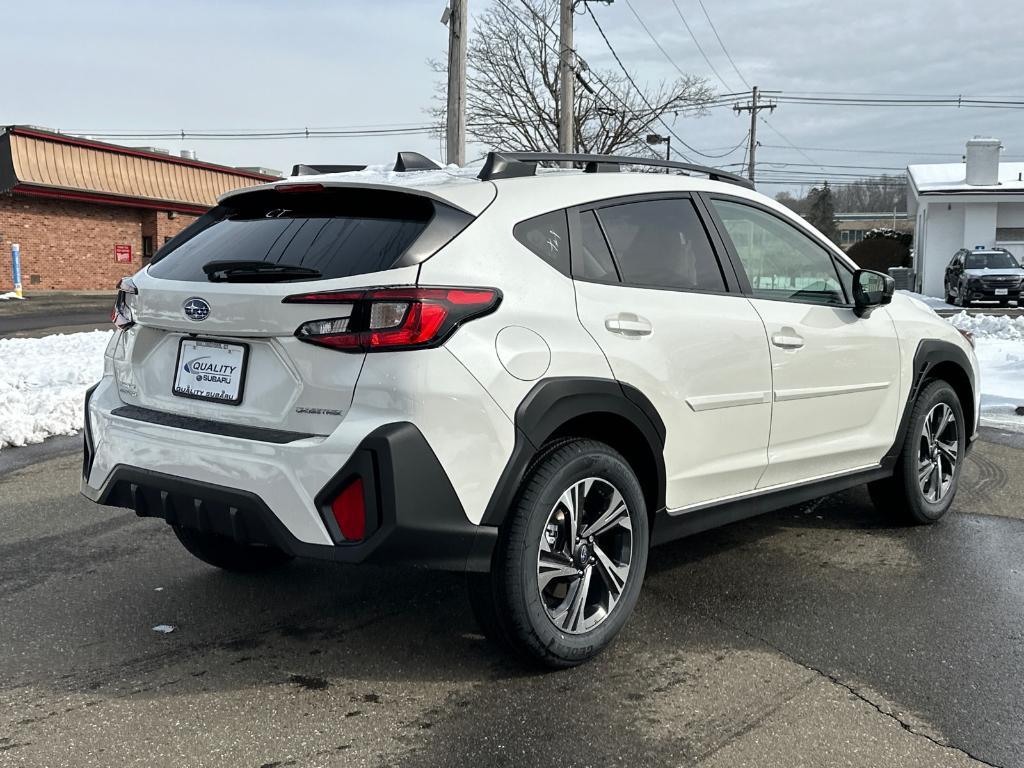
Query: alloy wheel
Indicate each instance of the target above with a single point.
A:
(938, 452)
(586, 549)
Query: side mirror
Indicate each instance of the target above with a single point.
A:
(870, 290)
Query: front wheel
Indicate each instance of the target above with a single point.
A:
(571, 558)
(927, 473)
(228, 554)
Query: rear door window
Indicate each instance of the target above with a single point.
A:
(662, 244)
(338, 233)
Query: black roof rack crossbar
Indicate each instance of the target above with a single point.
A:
(506, 165)
(414, 161)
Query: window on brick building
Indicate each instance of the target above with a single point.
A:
(147, 246)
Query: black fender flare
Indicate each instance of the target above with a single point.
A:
(929, 354)
(554, 402)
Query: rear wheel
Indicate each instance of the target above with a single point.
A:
(927, 473)
(570, 560)
(228, 554)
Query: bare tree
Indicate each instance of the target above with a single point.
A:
(512, 89)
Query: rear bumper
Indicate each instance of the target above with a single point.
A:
(414, 516)
(988, 293)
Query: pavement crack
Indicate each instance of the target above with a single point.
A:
(908, 727)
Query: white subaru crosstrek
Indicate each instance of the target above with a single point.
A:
(528, 377)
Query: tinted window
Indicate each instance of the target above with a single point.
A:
(548, 237)
(336, 233)
(595, 258)
(780, 261)
(662, 244)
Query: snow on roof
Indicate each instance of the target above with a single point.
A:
(952, 177)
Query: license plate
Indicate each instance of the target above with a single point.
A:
(210, 370)
(1002, 291)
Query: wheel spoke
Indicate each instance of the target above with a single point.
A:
(551, 566)
(616, 514)
(614, 575)
(945, 417)
(571, 616)
(949, 450)
(923, 471)
(936, 481)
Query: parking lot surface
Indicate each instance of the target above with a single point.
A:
(816, 635)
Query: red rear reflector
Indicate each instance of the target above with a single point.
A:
(349, 511)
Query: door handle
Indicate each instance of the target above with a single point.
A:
(628, 324)
(787, 339)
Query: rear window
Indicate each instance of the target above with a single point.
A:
(338, 233)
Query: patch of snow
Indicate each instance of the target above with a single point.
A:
(999, 345)
(164, 629)
(43, 383)
(11, 295)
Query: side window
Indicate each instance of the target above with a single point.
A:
(595, 258)
(547, 236)
(780, 261)
(662, 244)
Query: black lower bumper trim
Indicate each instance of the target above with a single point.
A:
(209, 426)
(420, 521)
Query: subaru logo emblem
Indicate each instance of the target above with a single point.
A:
(196, 309)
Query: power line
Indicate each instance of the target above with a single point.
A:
(695, 41)
(636, 88)
(721, 44)
(636, 134)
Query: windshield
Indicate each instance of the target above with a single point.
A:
(997, 260)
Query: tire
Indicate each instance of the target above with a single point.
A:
(960, 301)
(225, 553)
(904, 495)
(949, 296)
(590, 594)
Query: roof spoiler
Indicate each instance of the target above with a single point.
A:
(509, 165)
(406, 161)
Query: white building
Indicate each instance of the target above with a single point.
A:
(975, 204)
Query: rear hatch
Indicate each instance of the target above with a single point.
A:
(213, 337)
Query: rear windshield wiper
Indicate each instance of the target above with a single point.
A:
(256, 272)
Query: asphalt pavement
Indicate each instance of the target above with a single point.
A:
(819, 635)
(46, 313)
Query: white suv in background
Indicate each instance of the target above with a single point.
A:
(530, 377)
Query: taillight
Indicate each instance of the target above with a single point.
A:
(349, 510)
(391, 319)
(123, 313)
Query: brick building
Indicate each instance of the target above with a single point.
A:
(87, 213)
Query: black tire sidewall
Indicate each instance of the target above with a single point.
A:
(550, 478)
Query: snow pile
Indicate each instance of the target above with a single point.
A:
(43, 383)
(11, 295)
(999, 345)
(998, 327)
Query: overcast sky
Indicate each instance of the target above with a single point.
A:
(104, 65)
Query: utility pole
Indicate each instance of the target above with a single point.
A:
(566, 78)
(456, 16)
(753, 107)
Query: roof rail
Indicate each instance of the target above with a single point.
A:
(507, 165)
